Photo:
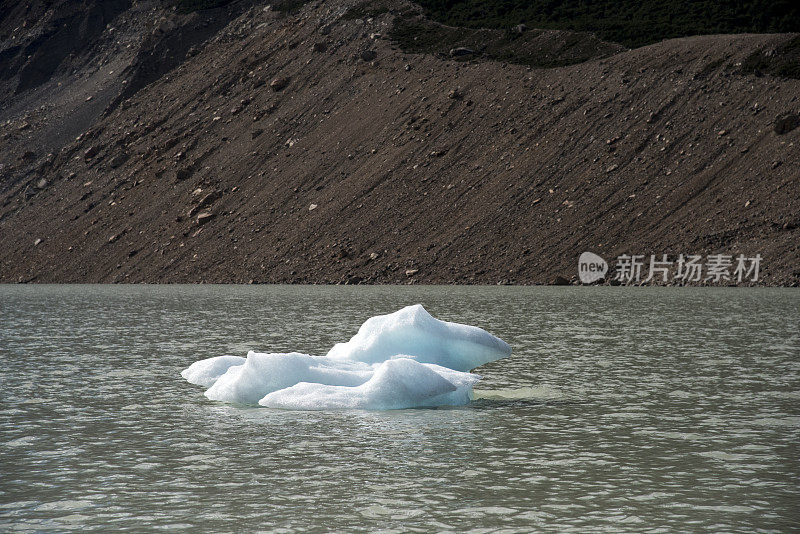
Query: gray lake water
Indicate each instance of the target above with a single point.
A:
(620, 409)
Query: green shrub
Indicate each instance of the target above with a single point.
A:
(628, 22)
(783, 61)
(366, 9)
(189, 6)
(288, 6)
(419, 35)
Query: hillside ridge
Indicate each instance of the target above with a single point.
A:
(305, 146)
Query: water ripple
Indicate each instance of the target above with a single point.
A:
(621, 409)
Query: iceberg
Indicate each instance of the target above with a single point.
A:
(406, 359)
(415, 332)
(262, 374)
(397, 383)
(206, 372)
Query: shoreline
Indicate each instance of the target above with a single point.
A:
(389, 284)
(344, 159)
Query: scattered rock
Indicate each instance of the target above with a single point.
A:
(204, 217)
(786, 123)
(118, 160)
(536, 90)
(38, 240)
(205, 202)
(461, 51)
(279, 84)
(559, 281)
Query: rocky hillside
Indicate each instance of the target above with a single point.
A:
(302, 143)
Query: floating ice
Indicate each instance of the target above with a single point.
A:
(396, 383)
(404, 359)
(262, 374)
(415, 332)
(206, 372)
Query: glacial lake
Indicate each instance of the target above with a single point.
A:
(620, 410)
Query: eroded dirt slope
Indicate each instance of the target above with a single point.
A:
(308, 148)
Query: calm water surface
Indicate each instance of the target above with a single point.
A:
(621, 409)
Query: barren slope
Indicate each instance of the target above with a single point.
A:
(391, 167)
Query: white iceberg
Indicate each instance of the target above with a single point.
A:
(395, 384)
(405, 359)
(262, 374)
(415, 332)
(206, 372)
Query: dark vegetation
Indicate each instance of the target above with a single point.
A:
(188, 6)
(510, 30)
(416, 33)
(632, 23)
(782, 61)
(288, 6)
(530, 47)
(366, 9)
